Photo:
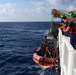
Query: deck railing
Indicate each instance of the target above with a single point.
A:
(67, 55)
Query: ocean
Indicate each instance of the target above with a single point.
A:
(18, 41)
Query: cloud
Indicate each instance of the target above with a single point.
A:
(56, 2)
(7, 8)
(41, 11)
(71, 6)
(36, 14)
(37, 11)
(11, 13)
(64, 5)
(7, 11)
(61, 2)
(38, 4)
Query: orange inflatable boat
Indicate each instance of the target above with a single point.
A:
(44, 61)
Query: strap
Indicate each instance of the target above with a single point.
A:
(73, 28)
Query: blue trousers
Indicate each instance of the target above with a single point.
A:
(72, 39)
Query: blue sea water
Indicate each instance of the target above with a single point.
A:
(18, 41)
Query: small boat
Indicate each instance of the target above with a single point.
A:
(43, 60)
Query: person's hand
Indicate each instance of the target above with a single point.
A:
(63, 30)
(59, 28)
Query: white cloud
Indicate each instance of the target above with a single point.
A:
(38, 4)
(11, 13)
(70, 8)
(7, 8)
(39, 11)
(62, 5)
(56, 2)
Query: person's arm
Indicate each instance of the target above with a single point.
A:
(62, 26)
(68, 28)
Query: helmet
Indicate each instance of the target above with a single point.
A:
(63, 17)
(72, 14)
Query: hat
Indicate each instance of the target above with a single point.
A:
(63, 17)
(72, 14)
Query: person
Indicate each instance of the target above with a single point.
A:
(64, 24)
(72, 28)
(45, 38)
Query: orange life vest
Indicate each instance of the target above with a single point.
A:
(66, 25)
(73, 30)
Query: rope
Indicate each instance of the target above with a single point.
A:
(44, 61)
(52, 58)
(55, 52)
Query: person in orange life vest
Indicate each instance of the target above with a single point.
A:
(64, 24)
(72, 28)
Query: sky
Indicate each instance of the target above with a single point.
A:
(32, 10)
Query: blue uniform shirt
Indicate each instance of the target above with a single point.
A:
(71, 24)
(61, 21)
